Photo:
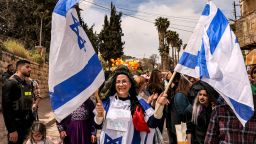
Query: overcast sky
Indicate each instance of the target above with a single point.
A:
(140, 36)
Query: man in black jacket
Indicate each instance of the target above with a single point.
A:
(6, 75)
(17, 103)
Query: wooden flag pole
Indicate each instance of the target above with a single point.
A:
(98, 100)
(170, 82)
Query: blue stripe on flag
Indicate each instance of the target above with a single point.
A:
(244, 111)
(236, 41)
(216, 29)
(146, 139)
(202, 63)
(74, 85)
(136, 137)
(206, 10)
(63, 6)
(144, 104)
(188, 60)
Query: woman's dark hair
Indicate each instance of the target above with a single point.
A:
(183, 86)
(154, 84)
(133, 90)
(38, 127)
(171, 91)
(140, 80)
(154, 78)
(107, 74)
(212, 93)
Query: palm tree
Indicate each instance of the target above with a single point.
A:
(162, 24)
(172, 39)
(178, 46)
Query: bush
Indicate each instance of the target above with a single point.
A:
(16, 48)
(37, 58)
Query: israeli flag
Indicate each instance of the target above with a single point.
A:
(213, 54)
(75, 71)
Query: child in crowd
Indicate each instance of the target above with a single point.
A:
(38, 134)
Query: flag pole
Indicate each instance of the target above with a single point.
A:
(98, 100)
(170, 82)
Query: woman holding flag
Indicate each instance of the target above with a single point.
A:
(124, 117)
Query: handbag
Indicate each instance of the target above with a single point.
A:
(181, 133)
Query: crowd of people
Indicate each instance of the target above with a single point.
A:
(20, 98)
(129, 109)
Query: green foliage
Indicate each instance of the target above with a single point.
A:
(16, 48)
(172, 38)
(162, 24)
(164, 51)
(233, 27)
(110, 38)
(21, 20)
(37, 58)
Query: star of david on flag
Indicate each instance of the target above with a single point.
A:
(109, 140)
(213, 55)
(75, 27)
(74, 73)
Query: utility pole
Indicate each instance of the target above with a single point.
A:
(235, 5)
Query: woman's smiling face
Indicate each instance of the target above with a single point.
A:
(123, 85)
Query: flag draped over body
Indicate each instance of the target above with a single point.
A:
(75, 71)
(214, 55)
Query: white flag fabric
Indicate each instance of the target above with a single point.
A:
(213, 55)
(75, 71)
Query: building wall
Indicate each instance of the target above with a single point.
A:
(246, 25)
(247, 7)
(39, 72)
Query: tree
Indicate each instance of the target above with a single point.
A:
(153, 60)
(171, 38)
(110, 37)
(22, 20)
(162, 24)
(178, 47)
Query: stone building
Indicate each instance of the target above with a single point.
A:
(246, 25)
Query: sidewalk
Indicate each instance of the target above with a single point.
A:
(46, 116)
